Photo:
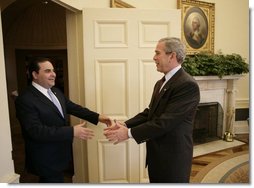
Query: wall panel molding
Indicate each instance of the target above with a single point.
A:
(151, 31)
(109, 101)
(113, 169)
(111, 33)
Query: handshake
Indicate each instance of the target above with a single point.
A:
(115, 132)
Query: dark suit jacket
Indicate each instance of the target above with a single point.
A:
(166, 127)
(48, 136)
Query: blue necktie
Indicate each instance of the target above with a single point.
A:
(54, 100)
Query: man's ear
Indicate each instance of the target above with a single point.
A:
(34, 74)
(172, 55)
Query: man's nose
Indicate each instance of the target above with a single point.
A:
(53, 73)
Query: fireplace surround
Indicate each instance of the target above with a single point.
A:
(222, 91)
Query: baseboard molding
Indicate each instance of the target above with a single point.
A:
(10, 178)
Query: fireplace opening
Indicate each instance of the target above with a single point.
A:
(208, 123)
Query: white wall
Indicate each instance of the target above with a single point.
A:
(231, 29)
(7, 174)
(232, 36)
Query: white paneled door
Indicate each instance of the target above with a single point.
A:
(119, 77)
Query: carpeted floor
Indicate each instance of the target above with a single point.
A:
(229, 169)
(227, 166)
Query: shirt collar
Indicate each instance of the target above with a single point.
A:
(172, 72)
(41, 89)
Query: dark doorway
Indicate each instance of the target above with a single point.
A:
(60, 64)
(32, 28)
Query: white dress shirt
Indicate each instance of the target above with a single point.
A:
(43, 90)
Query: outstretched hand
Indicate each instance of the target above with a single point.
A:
(116, 133)
(81, 132)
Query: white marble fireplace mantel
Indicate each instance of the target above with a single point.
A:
(221, 90)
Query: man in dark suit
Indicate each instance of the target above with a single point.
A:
(45, 128)
(166, 126)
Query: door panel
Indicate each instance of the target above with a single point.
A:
(119, 77)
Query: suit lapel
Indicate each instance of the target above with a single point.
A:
(45, 100)
(166, 88)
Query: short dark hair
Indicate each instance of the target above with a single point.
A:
(34, 65)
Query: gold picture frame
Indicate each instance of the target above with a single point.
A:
(197, 19)
(119, 4)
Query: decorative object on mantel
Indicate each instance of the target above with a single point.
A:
(209, 64)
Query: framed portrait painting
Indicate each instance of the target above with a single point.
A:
(197, 25)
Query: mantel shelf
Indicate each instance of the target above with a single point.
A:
(229, 77)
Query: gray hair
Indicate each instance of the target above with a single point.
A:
(173, 44)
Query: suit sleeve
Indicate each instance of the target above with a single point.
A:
(82, 112)
(138, 119)
(176, 108)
